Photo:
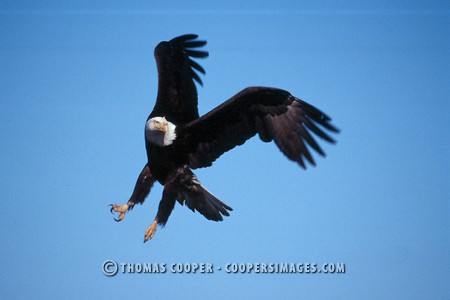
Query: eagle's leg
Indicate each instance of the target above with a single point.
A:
(143, 185)
(150, 232)
(122, 209)
(166, 206)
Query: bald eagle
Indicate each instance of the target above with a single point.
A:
(178, 140)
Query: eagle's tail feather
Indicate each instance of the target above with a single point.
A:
(197, 197)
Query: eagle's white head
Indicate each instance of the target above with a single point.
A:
(159, 131)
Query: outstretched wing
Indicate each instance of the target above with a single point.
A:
(272, 113)
(177, 71)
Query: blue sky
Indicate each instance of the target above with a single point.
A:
(78, 81)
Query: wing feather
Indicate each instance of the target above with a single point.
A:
(196, 66)
(198, 54)
(177, 74)
(273, 114)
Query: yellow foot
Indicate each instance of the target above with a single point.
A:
(150, 232)
(122, 209)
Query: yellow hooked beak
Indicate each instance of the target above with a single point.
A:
(159, 126)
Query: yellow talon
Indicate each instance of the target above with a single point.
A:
(150, 232)
(122, 209)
